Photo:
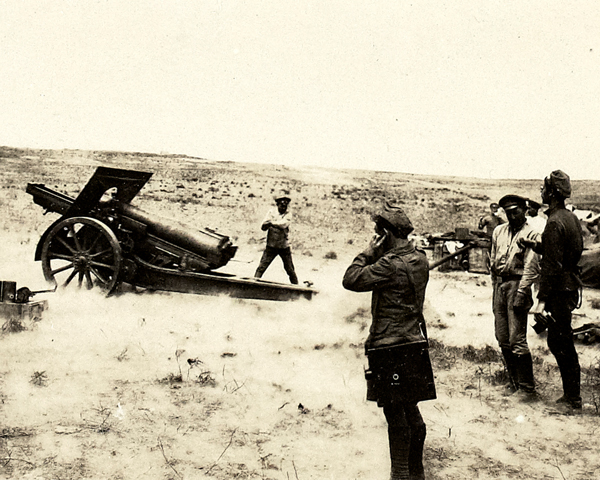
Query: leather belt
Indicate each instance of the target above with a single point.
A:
(508, 278)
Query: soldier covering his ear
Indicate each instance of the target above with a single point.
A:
(399, 374)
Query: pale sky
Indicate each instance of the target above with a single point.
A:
(475, 88)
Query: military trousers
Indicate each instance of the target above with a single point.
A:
(510, 323)
(286, 257)
(560, 341)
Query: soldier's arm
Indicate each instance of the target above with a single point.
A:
(281, 221)
(552, 259)
(267, 222)
(531, 271)
(366, 274)
(482, 223)
(493, 250)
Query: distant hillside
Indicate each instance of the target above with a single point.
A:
(330, 205)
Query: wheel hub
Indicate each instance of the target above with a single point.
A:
(81, 262)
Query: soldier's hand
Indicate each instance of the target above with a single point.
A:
(375, 247)
(538, 308)
(377, 241)
(522, 301)
(527, 243)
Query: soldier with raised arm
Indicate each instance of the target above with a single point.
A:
(399, 374)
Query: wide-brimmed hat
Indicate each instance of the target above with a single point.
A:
(282, 195)
(395, 216)
(509, 202)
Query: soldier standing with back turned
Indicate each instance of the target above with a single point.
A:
(400, 373)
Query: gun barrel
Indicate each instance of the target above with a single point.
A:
(49, 199)
(447, 258)
(213, 246)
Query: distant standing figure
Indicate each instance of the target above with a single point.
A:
(277, 225)
(399, 374)
(491, 220)
(533, 218)
(514, 269)
(560, 284)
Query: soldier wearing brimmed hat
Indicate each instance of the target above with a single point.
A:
(559, 293)
(277, 225)
(399, 374)
(514, 269)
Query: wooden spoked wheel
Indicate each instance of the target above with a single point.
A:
(82, 252)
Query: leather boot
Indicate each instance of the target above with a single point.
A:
(570, 373)
(415, 455)
(399, 438)
(510, 362)
(526, 382)
(525, 371)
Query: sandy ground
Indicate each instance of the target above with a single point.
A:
(270, 390)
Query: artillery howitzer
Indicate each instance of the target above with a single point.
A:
(104, 242)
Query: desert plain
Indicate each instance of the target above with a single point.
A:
(158, 385)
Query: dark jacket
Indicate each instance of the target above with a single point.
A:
(562, 244)
(398, 280)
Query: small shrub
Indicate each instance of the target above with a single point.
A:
(446, 356)
(171, 378)
(100, 420)
(123, 355)
(359, 316)
(206, 379)
(330, 256)
(13, 325)
(481, 355)
(439, 325)
(39, 379)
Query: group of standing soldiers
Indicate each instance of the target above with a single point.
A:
(521, 257)
(400, 375)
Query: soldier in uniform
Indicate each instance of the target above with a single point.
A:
(514, 269)
(277, 225)
(399, 374)
(559, 289)
(491, 220)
